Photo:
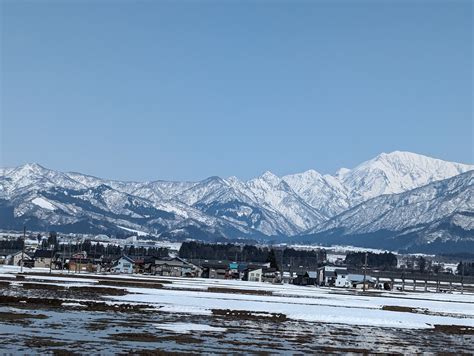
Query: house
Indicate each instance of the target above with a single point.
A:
(308, 278)
(255, 275)
(15, 259)
(263, 274)
(271, 275)
(175, 267)
(144, 264)
(327, 275)
(43, 258)
(81, 261)
(217, 270)
(124, 264)
(354, 281)
(288, 277)
(237, 270)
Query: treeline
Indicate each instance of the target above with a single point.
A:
(89, 247)
(96, 249)
(466, 268)
(249, 253)
(386, 260)
(16, 244)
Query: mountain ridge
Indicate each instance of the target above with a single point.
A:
(265, 206)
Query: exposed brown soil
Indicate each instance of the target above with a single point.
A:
(454, 329)
(142, 337)
(30, 285)
(4, 284)
(100, 306)
(89, 305)
(157, 352)
(181, 339)
(344, 350)
(248, 315)
(98, 325)
(57, 352)
(60, 352)
(97, 277)
(7, 316)
(99, 290)
(238, 291)
(399, 309)
(11, 300)
(43, 342)
(136, 284)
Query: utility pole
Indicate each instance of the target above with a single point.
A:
(23, 249)
(462, 277)
(51, 261)
(365, 271)
(64, 252)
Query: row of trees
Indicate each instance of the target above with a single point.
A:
(279, 258)
(386, 260)
(108, 250)
(466, 268)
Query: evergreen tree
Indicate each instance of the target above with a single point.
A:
(272, 259)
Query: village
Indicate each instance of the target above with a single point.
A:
(62, 292)
(276, 265)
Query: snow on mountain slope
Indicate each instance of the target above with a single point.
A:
(388, 173)
(439, 206)
(397, 172)
(275, 194)
(266, 205)
(33, 177)
(155, 190)
(325, 193)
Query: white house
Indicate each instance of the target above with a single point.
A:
(327, 275)
(353, 280)
(255, 275)
(15, 259)
(342, 281)
(123, 265)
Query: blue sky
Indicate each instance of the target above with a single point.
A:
(183, 90)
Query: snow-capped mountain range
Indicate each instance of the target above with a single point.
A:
(370, 198)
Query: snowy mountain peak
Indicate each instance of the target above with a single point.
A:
(233, 180)
(268, 204)
(270, 178)
(31, 168)
(341, 172)
(396, 172)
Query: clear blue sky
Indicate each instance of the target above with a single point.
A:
(188, 89)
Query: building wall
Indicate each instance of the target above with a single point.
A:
(342, 281)
(43, 262)
(255, 276)
(124, 266)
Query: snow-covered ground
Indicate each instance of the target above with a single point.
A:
(310, 304)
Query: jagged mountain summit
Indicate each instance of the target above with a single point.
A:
(388, 173)
(423, 218)
(264, 207)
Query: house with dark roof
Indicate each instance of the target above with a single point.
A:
(16, 259)
(175, 267)
(307, 278)
(43, 258)
(215, 269)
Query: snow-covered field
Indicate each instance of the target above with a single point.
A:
(199, 296)
(311, 304)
